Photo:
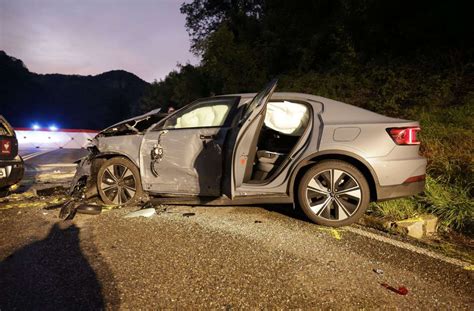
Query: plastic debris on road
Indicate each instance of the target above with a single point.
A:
(334, 233)
(90, 209)
(402, 290)
(147, 212)
(378, 271)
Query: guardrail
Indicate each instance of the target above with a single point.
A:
(48, 139)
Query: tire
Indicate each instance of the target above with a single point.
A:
(341, 204)
(118, 182)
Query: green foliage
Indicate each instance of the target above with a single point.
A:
(452, 203)
(397, 209)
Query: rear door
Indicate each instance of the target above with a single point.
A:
(8, 141)
(247, 137)
(183, 155)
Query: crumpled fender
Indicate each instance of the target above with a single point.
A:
(84, 180)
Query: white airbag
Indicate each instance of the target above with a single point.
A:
(203, 117)
(287, 117)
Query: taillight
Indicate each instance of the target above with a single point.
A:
(404, 135)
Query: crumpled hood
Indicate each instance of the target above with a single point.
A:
(133, 125)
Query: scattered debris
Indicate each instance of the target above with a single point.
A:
(107, 208)
(334, 232)
(188, 214)
(258, 221)
(54, 205)
(30, 200)
(147, 212)
(90, 209)
(68, 210)
(402, 290)
(46, 192)
(378, 271)
(14, 187)
(412, 227)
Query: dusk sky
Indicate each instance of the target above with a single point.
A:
(145, 37)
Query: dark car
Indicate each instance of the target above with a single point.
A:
(11, 164)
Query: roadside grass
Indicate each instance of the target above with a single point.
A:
(396, 209)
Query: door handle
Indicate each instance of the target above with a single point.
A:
(207, 136)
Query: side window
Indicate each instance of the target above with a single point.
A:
(210, 113)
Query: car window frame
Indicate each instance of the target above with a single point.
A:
(8, 128)
(227, 123)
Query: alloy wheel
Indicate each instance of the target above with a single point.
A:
(118, 184)
(334, 195)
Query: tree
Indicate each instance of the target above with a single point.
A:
(203, 17)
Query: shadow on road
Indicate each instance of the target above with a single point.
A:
(53, 274)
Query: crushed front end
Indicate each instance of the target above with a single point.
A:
(84, 183)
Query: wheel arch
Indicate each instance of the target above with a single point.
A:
(108, 155)
(348, 157)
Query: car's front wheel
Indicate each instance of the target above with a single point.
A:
(333, 193)
(118, 182)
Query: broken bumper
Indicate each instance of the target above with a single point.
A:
(11, 172)
(83, 174)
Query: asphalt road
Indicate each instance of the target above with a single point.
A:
(214, 257)
(37, 156)
(49, 165)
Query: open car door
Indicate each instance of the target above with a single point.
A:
(246, 142)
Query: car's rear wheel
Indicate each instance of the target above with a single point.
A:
(118, 182)
(333, 193)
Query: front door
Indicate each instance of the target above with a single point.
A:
(246, 143)
(183, 155)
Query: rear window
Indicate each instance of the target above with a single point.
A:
(4, 129)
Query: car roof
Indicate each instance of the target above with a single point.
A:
(333, 111)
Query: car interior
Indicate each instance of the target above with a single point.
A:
(284, 124)
(281, 129)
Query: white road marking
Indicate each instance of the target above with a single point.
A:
(36, 154)
(29, 155)
(407, 246)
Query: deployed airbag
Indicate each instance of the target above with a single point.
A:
(287, 117)
(203, 117)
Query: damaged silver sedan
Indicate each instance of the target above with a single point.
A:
(328, 157)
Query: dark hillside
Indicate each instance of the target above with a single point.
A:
(71, 101)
